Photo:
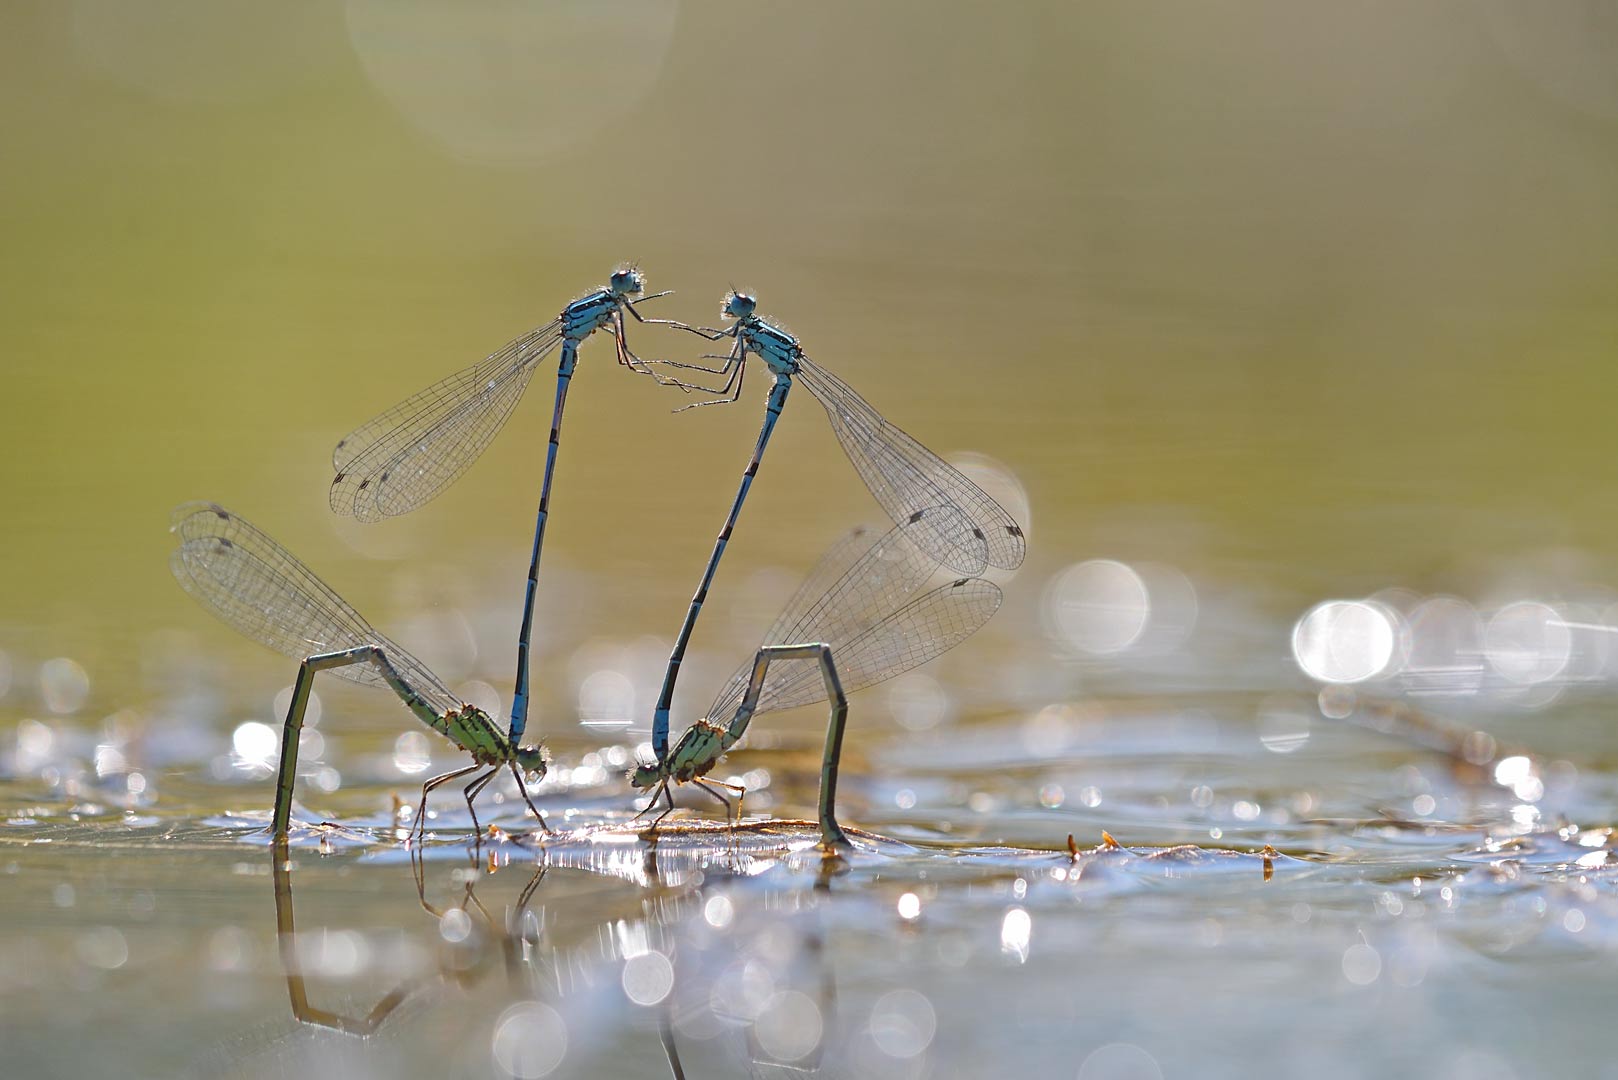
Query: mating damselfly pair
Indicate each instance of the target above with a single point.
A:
(864, 614)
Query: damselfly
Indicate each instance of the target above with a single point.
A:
(903, 475)
(407, 455)
(263, 591)
(865, 626)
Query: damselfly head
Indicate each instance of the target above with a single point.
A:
(739, 305)
(644, 776)
(627, 282)
(533, 759)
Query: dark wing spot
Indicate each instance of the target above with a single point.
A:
(341, 443)
(958, 582)
(221, 513)
(383, 478)
(977, 532)
(914, 518)
(338, 479)
(1014, 530)
(225, 543)
(364, 484)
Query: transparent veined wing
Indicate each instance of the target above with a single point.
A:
(905, 477)
(858, 583)
(922, 630)
(259, 588)
(407, 455)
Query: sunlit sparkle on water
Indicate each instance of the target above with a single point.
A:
(255, 744)
(1344, 641)
(1016, 930)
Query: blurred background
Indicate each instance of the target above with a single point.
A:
(1312, 300)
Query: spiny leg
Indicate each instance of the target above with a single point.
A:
(428, 788)
(406, 693)
(668, 796)
(522, 787)
(651, 802)
(708, 332)
(733, 368)
(628, 358)
(741, 794)
(472, 791)
(728, 367)
(723, 392)
(728, 395)
(662, 792)
(705, 786)
(701, 331)
(626, 355)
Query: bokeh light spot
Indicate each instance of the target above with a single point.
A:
(790, 1026)
(1120, 1061)
(64, 684)
(1344, 641)
(1528, 643)
(903, 1023)
(1100, 607)
(648, 978)
(530, 1040)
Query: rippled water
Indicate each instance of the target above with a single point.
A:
(1287, 332)
(1262, 869)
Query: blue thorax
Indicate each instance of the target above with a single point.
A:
(588, 314)
(776, 347)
